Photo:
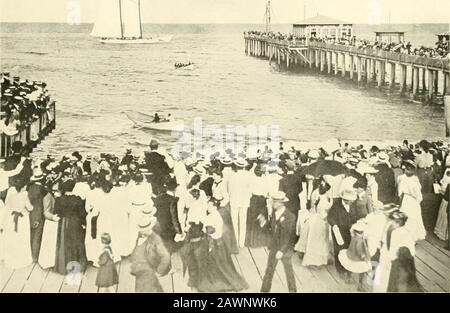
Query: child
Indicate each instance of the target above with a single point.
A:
(107, 275)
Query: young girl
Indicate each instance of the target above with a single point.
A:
(107, 275)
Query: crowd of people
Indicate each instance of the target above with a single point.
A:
(441, 49)
(359, 204)
(21, 103)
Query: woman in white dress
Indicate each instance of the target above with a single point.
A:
(409, 191)
(104, 207)
(140, 198)
(441, 228)
(47, 253)
(317, 243)
(16, 229)
(120, 215)
(395, 236)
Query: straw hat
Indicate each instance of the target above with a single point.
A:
(279, 196)
(409, 163)
(37, 175)
(200, 170)
(226, 160)
(355, 259)
(348, 194)
(240, 162)
(147, 223)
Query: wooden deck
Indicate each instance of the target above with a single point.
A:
(432, 263)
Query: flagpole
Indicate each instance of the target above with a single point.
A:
(140, 22)
(120, 14)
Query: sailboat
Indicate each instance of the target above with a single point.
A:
(119, 22)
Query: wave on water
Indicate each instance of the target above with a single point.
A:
(34, 52)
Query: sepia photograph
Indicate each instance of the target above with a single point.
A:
(233, 147)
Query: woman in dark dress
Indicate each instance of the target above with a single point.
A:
(256, 235)
(219, 273)
(70, 249)
(403, 273)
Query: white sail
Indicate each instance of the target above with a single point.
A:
(131, 19)
(107, 24)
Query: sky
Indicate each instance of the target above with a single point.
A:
(234, 11)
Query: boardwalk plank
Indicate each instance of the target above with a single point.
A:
(432, 262)
(279, 271)
(427, 284)
(304, 276)
(430, 274)
(5, 275)
(260, 259)
(435, 252)
(249, 270)
(88, 282)
(18, 279)
(36, 280)
(435, 241)
(126, 280)
(53, 282)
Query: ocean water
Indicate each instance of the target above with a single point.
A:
(93, 84)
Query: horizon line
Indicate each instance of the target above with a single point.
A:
(202, 23)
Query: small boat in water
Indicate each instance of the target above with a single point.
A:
(119, 22)
(147, 121)
(185, 66)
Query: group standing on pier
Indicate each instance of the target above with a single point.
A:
(357, 203)
(22, 102)
(441, 49)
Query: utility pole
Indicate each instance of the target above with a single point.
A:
(267, 15)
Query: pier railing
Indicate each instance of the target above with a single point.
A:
(30, 134)
(416, 60)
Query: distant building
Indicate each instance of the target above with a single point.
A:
(321, 26)
(389, 36)
(443, 37)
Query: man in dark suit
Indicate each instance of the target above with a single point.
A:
(340, 219)
(281, 247)
(291, 185)
(385, 179)
(36, 196)
(156, 164)
(166, 205)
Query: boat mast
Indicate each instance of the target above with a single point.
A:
(267, 16)
(140, 23)
(120, 14)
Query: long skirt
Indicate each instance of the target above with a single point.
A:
(70, 249)
(302, 230)
(48, 246)
(414, 225)
(256, 235)
(220, 274)
(17, 243)
(441, 229)
(317, 242)
(228, 236)
(382, 272)
(2, 218)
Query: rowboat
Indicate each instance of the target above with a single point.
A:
(189, 67)
(146, 121)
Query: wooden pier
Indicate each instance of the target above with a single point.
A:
(31, 134)
(432, 263)
(429, 78)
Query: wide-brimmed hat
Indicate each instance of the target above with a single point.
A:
(356, 258)
(146, 223)
(348, 194)
(200, 170)
(409, 163)
(148, 209)
(37, 175)
(388, 208)
(226, 160)
(189, 162)
(240, 162)
(279, 196)
(364, 168)
(313, 154)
